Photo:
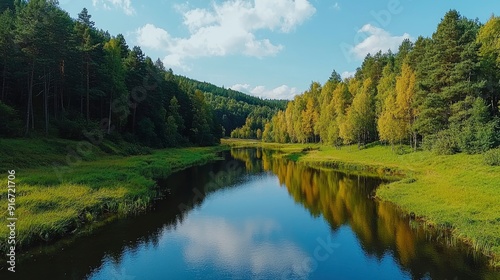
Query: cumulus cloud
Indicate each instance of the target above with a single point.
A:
(377, 39)
(241, 247)
(228, 28)
(347, 74)
(152, 37)
(281, 92)
(241, 87)
(125, 5)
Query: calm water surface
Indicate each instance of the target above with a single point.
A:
(255, 217)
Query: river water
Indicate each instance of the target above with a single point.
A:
(254, 216)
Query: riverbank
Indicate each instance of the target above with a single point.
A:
(459, 191)
(62, 186)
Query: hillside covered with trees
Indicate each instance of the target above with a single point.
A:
(235, 109)
(439, 93)
(66, 78)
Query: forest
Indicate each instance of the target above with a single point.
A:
(64, 77)
(439, 93)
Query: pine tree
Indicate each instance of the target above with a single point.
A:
(489, 39)
(118, 96)
(6, 46)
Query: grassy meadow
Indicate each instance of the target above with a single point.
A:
(62, 187)
(458, 191)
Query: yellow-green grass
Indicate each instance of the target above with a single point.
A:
(457, 191)
(53, 202)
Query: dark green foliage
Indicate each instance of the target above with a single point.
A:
(492, 157)
(11, 123)
(6, 4)
(477, 131)
(444, 142)
(74, 128)
(65, 77)
(232, 94)
(232, 108)
(146, 129)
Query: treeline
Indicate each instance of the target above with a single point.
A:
(235, 109)
(233, 94)
(65, 77)
(440, 93)
(254, 123)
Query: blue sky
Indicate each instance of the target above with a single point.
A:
(270, 49)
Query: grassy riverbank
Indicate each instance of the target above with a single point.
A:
(62, 186)
(458, 191)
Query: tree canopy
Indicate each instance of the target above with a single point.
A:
(439, 93)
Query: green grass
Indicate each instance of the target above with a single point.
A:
(59, 192)
(459, 191)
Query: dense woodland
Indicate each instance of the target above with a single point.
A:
(234, 109)
(66, 78)
(440, 93)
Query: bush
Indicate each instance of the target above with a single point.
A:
(492, 157)
(442, 143)
(75, 129)
(133, 149)
(477, 139)
(11, 124)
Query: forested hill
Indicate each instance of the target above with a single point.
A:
(235, 109)
(439, 93)
(233, 94)
(67, 78)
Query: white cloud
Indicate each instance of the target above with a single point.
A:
(336, 6)
(241, 87)
(243, 247)
(229, 28)
(378, 40)
(153, 37)
(125, 5)
(281, 92)
(347, 74)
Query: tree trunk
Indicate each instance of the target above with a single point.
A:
(109, 117)
(55, 100)
(4, 78)
(29, 106)
(45, 103)
(82, 84)
(415, 141)
(87, 89)
(62, 86)
(69, 102)
(133, 118)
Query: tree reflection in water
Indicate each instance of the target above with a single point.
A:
(381, 228)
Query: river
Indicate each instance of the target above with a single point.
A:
(254, 216)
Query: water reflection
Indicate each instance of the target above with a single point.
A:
(258, 217)
(239, 248)
(380, 227)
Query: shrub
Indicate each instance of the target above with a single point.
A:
(478, 138)
(74, 129)
(492, 157)
(11, 124)
(444, 142)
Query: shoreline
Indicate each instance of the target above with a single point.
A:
(53, 204)
(438, 189)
